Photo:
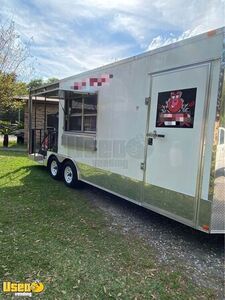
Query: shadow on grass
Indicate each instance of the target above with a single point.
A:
(12, 153)
(53, 234)
(38, 178)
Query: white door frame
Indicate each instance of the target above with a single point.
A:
(200, 167)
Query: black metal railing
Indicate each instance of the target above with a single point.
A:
(43, 141)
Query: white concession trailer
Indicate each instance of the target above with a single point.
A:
(150, 128)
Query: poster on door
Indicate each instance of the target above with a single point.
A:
(176, 108)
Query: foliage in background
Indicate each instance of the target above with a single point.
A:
(13, 51)
(15, 61)
(35, 83)
(9, 89)
(14, 55)
(6, 128)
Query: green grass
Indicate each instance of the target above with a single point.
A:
(17, 146)
(52, 233)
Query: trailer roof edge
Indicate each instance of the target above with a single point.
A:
(198, 37)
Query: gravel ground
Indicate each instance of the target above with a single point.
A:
(200, 255)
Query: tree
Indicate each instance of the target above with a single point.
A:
(51, 80)
(13, 52)
(13, 56)
(6, 128)
(9, 89)
(35, 83)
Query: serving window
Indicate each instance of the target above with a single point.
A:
(81, 113)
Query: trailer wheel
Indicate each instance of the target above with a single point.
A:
(70, 174)
(54, 167)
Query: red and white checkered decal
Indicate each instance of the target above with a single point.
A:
(92, 82)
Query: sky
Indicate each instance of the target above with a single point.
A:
(71, 36)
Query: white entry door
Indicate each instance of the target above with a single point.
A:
(176, 119)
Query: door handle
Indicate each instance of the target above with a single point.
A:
(155, 135)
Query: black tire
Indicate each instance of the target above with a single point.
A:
(54, 168)
(70, 175)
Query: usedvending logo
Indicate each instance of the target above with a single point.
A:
(22, 288)
(176, 108)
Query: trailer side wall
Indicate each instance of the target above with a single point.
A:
(121, 126)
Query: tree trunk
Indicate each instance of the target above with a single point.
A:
(6, 140)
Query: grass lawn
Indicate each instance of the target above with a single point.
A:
(52, 233)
